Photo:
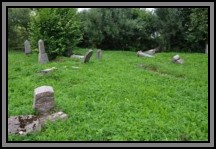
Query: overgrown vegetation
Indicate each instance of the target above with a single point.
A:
(120, 97)
(59, 28)
(132, 29)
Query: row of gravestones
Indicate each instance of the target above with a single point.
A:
(150, 53)
(43, 103)
(43, 58)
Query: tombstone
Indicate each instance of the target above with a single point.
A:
(23, 125)
(206, 50)
(177, 59)
(42, 57)
(150, 52)
(99, 53)
(85, 58)
(140, 53)
(88, 56)
(77, 56)
(27, 47)
(43, 99)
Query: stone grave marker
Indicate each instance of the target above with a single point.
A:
(27, 47)
(99, 53)
(43, 99)
(42, 57)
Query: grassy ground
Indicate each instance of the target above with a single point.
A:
(120, 97)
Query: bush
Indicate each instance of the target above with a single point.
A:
(59, 28)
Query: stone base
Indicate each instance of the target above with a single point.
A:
(43, 58)
(23, 124)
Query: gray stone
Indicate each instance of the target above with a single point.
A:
(87, 56)
(23, 124)
(27, 47)
(53, 117)
(140, 53)
(42, 57)
(99, 53)
(206, 50)
(84, 58)
(150, 52)
(177, 59)
(77, 56)
(48, 70)
(41, 46)
(43, 99)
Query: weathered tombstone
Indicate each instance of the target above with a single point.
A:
(88, 56)
(42, 58)
(99, 53)
(85, 58)
(23, 124)
(177, 59)
(206, 50)
(150, 52)
(27, 47)
(43, 99)
(77, 56)
(140, 53)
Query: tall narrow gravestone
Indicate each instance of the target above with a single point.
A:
(42, 57)
(27, 47)
(43, 99)
(206, 50)
(99, 53)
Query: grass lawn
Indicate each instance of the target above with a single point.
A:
(121, 97)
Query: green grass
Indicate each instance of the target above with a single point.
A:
(118, 98)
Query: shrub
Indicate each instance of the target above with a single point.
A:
(59, 28)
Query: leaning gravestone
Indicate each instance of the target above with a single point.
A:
(27, 47)
(43, 99)
(88, 56)
(42, 57)
(99, 53)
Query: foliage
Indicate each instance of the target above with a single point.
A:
(59, 28)
(18, 19)
(183, 29)
(117, 28)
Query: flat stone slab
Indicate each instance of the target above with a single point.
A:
(23, 124)
(77, 56)
(48, 70)
(53, 117)
(140, 53)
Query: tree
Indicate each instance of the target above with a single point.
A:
(59, 28)
(18, 19)
(117, 28)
